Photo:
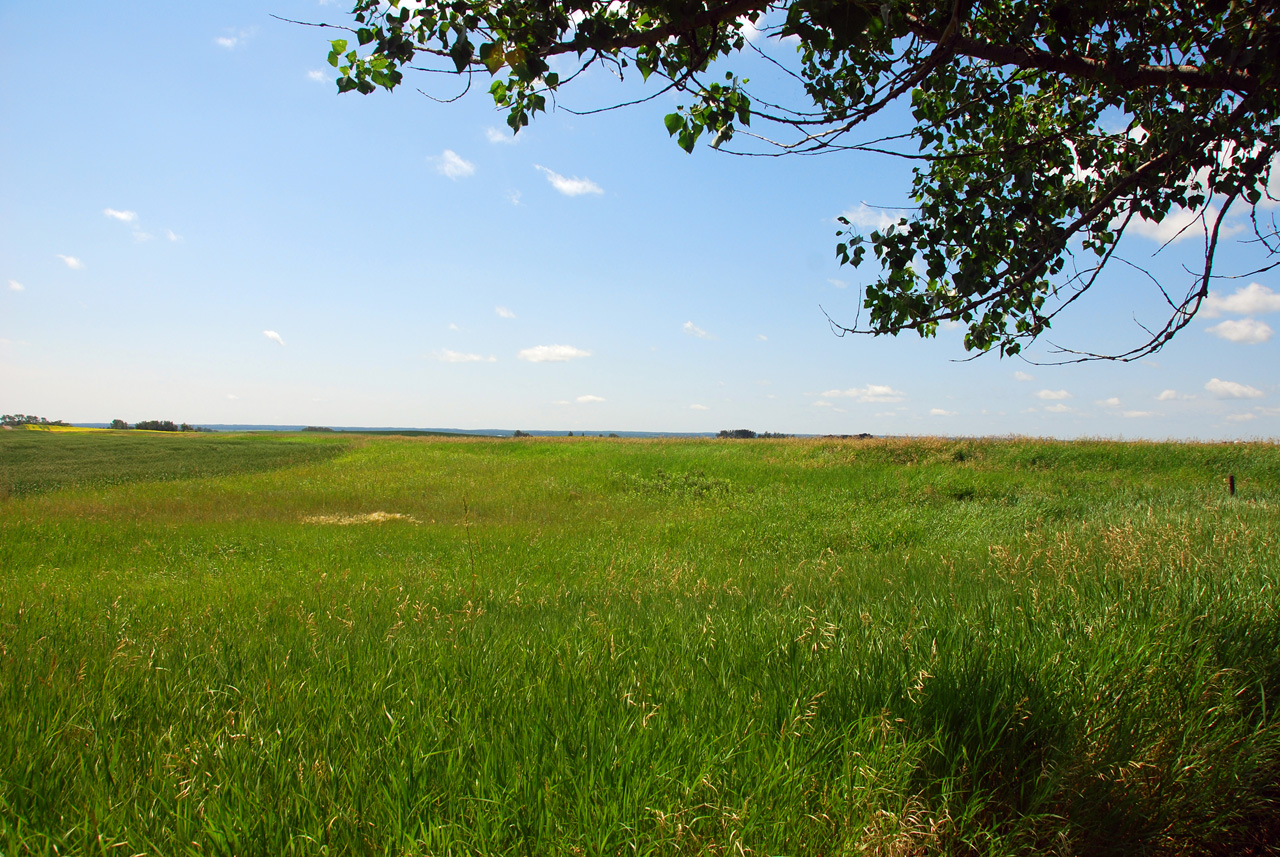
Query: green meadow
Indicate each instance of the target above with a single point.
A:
(336, 644)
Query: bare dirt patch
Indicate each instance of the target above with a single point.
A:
(370, 518)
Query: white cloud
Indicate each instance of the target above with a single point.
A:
(454, 326)
(1173, 396)
(1253, 299)
(1053, 395)
(444, 355)
(317, 75)
(503, 312)
(868, 217)
(126, 216)
(588, 399)
(232, 396)
(552, 353)
(693, 330)
(1132, 415)
(1023, 376)
(513, 197)
(236, 39)
(494, 135)
(171, 235)
(1240, 418)
(71, 262)
(569, 187)
(140, 236)
(450, 165)
(273, 336)
(839, 284)
(1113, 402)
(760, 337)
(821, 404)
(869, 393)
(699, 408)
(1180, 224)
(750, 31)
(939, 412)
(15, 286)
(1248, 331)
(1232, 390)
(1058, 409)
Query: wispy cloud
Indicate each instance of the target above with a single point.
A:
(71, 262)
(869, 393)
(1113, 402)
(496, 135)
(1053, 395)
(1058, 409)
(131, 218)
(1173, 396)
(274, 337)
(552, 354)
(1135, 415)
(750, 31)
(569, 187)
(1240, 418)
(588, 399)
(939, 412)
(699, 408)
(870, 217)
(839, 284)
(452, 165)
(1253, 299)
(760, 337)
(234, 39)
(1023, 376)
(503, 312)
(444, 355)
(15, 286)
(821, 404)
(693, 330)
(1246, 331)
(1232, 390)
(317, 75)
(1180, 224)
(454, 326)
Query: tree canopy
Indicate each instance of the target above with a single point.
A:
(1041, 131)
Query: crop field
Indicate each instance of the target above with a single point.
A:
(337, 644)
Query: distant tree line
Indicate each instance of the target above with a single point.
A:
(156, 425)
(14, 420)
(748, 434)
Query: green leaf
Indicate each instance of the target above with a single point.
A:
(461, 54)
(492, 55)
(674, 123)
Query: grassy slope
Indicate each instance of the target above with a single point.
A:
(587, 645)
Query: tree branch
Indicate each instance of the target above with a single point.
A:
(1164, 76)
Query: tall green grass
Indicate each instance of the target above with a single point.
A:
(646, 647)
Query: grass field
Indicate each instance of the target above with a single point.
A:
(308, 644)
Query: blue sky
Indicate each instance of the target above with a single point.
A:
(195, 226)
